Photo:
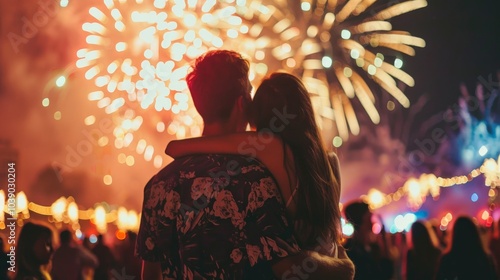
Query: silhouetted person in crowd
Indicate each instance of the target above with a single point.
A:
(132, 263)
(424, 252)
(106, 259)
(467, 257)
(70, 259)
(88, 272)
(495, 243)
(87, 244)
(370, 260)
(34, 251)
(400, 247)
(4, 265)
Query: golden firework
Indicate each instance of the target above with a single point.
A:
(138, 53)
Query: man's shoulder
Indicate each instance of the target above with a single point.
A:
(186, 169)
(206, 162)
(215, 158)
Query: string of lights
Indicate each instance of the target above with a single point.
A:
(66, 210)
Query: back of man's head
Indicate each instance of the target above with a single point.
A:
(216, 82)
(355, 212)
(66, 236)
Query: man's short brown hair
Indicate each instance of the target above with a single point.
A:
(218, 79)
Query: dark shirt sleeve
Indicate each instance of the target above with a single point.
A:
(156, 240)
(269, 236)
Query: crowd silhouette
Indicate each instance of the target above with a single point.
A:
(423, 256)
(468, 256)
(466, 251)
(43, 253)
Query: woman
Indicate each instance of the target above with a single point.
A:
(467, 257)
(34, 252)
(424, 253)
(288, 142)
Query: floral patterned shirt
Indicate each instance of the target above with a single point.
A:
(214, 217)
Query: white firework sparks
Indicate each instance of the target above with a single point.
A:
(138, 53)
(346, 47)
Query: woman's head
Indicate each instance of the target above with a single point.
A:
(34, 247)
(423, 237)
(465, 237)
(282, 105)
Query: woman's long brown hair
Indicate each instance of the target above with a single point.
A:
(283, 106)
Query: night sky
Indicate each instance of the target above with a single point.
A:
(463, 43)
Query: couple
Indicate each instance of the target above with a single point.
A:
(245, 205)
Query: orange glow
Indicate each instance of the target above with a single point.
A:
(120, 234)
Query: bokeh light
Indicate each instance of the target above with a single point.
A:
(474, 197)
(60, 81)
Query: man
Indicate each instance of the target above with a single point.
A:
(105, 258)
(70, 260)
(222, 216)
(371, 261)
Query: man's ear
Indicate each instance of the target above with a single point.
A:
(241, 110)
(242, 105)
(237, 110)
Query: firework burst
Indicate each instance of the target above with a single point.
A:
(138, 53)
(348, 46)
